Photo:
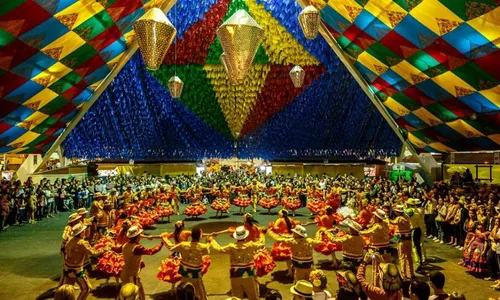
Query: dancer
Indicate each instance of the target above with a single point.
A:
(476, 250)
(470, 228)
(173, 196)
(403, 237)
(315, 202)
(326, 223)
(243, 272)
(352, 243)
(242, 200)
(255, 188)
(132, 255)
(77, 252)
(72, 221)
(302, 251)
(333, 197)
(196, 207)
(105, 219)
(365, 215)
(192, 264)
(291, 200)
(270, 200)
(283, 227)
(378, 233)
(417, 223)
(221, 203)
(391, 281)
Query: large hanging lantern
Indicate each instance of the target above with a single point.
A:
(155, 34)
(240, 37)
(297, 75)
(309, 20)
(175, 86)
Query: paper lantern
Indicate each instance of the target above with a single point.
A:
(175, 86)
(309, 20)
(297, 75)
(240, 37)
(154, 34)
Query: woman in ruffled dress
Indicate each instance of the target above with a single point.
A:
(470, 228)
(315, 202)
(270, 200)
(291, 201)
(327, 222)
(242, 200)
(196, 208)
(221, 203)
(475, 252)
(281, 251)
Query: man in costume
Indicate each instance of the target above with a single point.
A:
(352, 243)
(77, 252)
(105, 219)
(302, 251)
(113, 198)
(391, 281)
(192, 261)
(417, 224)
(403, 236)
(242, 272)
(378, 233)
(365, 215)
(72, 221)
(255, 188)
(132, 255)
(127, 196)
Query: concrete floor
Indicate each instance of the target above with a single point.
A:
(31, 264)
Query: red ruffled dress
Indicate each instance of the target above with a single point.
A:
(326, 222)
(316, 205)
(281, 251)
(333, 200)
(221, 203)
(111, 262)
(292, 203)
(169, 268)
(195, 209)
(147, 219)
(270, 201)
(164, 210)
(474, 259)
(242, 200)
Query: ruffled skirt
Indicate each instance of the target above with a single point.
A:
(474, 260)
(281, 252)
(316, 205)
(194, 210)
(269, 203)
(327, 247)
(264, 263)
(242, 202)
(169, 268)
(292, 203)
(220, 205)
(164, 211)
(111, 263)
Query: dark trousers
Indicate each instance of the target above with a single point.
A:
(492, 261)
(430, 225)
(416, 235)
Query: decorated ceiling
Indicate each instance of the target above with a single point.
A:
(435, 64)
(265, 117)
(53, 55)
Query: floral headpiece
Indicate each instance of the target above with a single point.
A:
(315, 277)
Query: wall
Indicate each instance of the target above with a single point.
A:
(482, 172)
(331, 170)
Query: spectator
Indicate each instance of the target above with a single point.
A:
(65, 292)
(129, 291)
(437, 284)
(302, 290)
(345, 293)
(391, 281)
(419, 290)
(319, 282)
(5, 212)
(406, 289)
(186, 291)
(273, 295)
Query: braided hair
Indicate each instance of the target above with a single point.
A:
(284, 215)
(179, 226)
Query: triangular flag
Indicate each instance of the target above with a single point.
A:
(460, 91)
(425, 39)
(84, 32)
(33, 105)
(417, 78)
(43, 80)
(446, 26)
(14, 27)
(68, 20)
(24, 72)
(395, 17)
(55, 53)
(35, 41)
(380, 69)
(5, 62)
(353, 11)
(408, 51)
(115, 12)
(455, 62)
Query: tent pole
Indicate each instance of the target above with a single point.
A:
(165, 7)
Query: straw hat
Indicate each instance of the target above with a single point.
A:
(129, 291)
(134, 231)
(302, 288)
(77, 229)
(380, 214)
(129, 186)
(352, 224)
(348, 278)
(399, 208)
(99, 195)
(108, 203)
(300, 230)
(74, 217)
(391, 280)
(413, 201)
(82, 211)
(113, 190)
(240, 233)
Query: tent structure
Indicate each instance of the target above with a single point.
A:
(433, 75)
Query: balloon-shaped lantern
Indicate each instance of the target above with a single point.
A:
(309, 20)
(154, 34)
(240, 37)
(297, 75)
(175, 86)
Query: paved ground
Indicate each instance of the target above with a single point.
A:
(31, 264)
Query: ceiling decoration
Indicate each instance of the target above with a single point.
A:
(434, 64)
(265, 116)
(53, 55)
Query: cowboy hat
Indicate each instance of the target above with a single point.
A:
(82, 211)
(108, 203)
(348, 278)
(240, 233)
(113, 190)
(391, 279)
(303, 288)
(134, 231)
(73, 218)
(300, 230)
(77, 229)
(399, 208)
(413, 201)
(352, 224)
(129, 291)
(99, 195)
(380, 214)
